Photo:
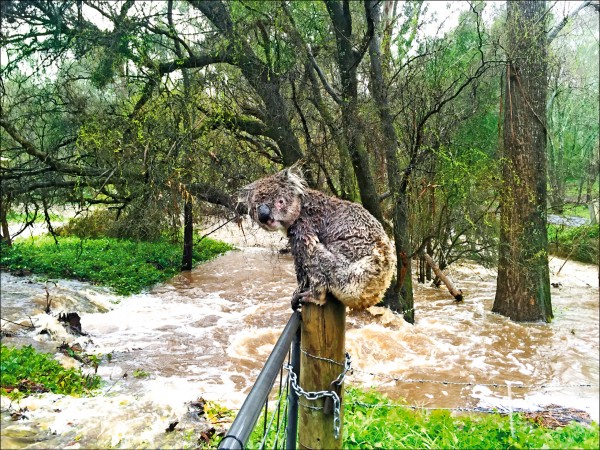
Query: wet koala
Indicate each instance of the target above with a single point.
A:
(338, 247)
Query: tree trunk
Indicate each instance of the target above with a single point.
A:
(260, 76)
(347, 60)
(187, 261)
(402, 298)
(347, 180)
(188, 236)
(523, 285)
(430, 253)
(4, 207)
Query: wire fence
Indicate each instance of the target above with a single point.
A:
(278, 406)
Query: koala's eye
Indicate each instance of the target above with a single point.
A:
(281, 202)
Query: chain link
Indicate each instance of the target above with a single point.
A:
(315, 395)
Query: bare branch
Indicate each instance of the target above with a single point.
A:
(300, 43)
(554, 31)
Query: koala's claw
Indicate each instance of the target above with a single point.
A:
(311, 240)
(298, 299)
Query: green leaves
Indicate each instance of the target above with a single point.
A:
(25, 371)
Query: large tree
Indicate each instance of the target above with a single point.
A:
(523, 286)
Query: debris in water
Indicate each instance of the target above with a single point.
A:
(171, 427)
(72, 322)
(554, 416)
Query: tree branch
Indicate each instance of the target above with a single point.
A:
(300, 43)
(554, 31)
(45, 158)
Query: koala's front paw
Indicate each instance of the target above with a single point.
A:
(311, 241)
(302, 298)
(317, 296)
(298, 299)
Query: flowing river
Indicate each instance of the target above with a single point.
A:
(207, 333)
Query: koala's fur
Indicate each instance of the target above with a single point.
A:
(337, 245)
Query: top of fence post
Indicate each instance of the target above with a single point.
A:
(322, 361)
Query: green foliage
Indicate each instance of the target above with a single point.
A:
(24, 371)
(126, 266)
(21, 217)
(139, 373)
(94, 225)
(370, 423)
(578, 243)
(366, 426)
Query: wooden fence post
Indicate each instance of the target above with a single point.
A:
(323, 336)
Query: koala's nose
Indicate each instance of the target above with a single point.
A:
(264, 213)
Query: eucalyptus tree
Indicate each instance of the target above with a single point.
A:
(523, 285)
(422, 96)
(129, 54)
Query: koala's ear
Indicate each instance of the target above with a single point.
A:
(245, 193)
(295, 170)
(294, 176)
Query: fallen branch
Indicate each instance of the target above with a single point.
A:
(456, 293)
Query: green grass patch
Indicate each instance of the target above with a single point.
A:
(126, 266)
(24, 371)
(576, 210)
(577, 243)
(21, 217)
(371, 421)
(398, 427)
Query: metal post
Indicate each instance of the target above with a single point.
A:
(242, 426)
(292, 421)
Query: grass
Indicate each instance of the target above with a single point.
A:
(371, 421)
(576, 210)
(578, 243)
(21, 217)
(398, 427)
(24, 371)
(126, 266)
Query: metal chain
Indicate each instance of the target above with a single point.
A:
(315, 395)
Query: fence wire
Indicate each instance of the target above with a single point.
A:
(274, 420)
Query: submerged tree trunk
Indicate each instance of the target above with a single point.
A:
(188, 236)
(456, 293)
(401, 296)
(523, 285)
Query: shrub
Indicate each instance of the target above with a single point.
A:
(578, 243)
(93, 225)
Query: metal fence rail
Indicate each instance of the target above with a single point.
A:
(246, 419)
(284, 416)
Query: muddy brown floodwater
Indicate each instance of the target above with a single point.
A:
(208, 332)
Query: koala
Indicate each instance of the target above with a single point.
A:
(338, 247)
